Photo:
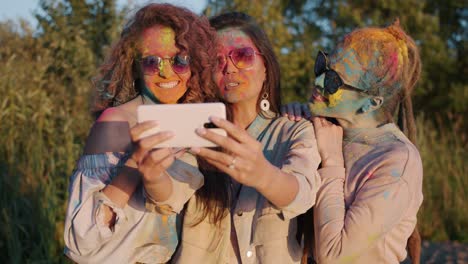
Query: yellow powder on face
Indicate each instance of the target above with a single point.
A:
(336, 98)
(159, 38)
(167, 36)
(317, 106)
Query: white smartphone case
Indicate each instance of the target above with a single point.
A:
(182, 120)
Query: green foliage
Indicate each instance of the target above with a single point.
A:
(45, 86)
(444, 151)
(40, 138)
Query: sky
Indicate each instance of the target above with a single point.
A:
(14, 9)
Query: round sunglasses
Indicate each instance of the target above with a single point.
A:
(241, 58)
(152, 64)
(332, 81)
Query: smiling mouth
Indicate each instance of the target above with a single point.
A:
(231, 85)
(167, 85)
(317, 97)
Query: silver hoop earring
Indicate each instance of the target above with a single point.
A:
(264, 103)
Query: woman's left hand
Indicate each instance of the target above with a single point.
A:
(296, 111)
(244, 160)
(329, 141)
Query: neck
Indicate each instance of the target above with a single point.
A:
(243, 114)
(359, 122)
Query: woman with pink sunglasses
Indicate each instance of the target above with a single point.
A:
(269, 163)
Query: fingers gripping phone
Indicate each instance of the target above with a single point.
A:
(182, 120)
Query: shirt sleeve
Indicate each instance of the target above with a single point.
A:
(343, 234)
(84, 227)
(302, 161)
(186, 180)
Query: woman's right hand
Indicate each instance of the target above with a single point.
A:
(296, 111)
(151, 162)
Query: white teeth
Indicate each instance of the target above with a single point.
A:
(232, 84)
(168, 85)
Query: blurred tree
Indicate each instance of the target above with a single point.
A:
(45, 86)
(77, 34)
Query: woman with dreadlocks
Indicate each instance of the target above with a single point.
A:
(371, 172)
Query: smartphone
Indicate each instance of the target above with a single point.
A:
(182, 120)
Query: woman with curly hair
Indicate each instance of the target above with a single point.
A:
(164, 56)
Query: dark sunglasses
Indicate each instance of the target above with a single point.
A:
(151, 65)
(332, 81)
(241, 58)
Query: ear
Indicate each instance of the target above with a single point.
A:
(376, 102)
(372, 104)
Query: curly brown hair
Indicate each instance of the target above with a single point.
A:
(118, 79)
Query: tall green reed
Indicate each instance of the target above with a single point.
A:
(443, 147)
(43, 125)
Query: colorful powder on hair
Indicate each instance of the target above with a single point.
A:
(371, 58)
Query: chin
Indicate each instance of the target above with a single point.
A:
(169, 97)
(232, 98)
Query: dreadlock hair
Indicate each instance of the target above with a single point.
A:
(410, 73)
(384, 62)
(387, 64)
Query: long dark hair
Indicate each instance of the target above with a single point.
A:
(215, 197)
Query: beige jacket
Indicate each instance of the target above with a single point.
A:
(366, 213)
(266, 234)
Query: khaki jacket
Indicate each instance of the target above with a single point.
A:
(266, 234)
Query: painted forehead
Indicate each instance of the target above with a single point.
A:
(234, 38)
(158, 40)
(371, 60)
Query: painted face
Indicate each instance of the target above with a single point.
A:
(166, 85)
(342, 105)
(239, 85)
